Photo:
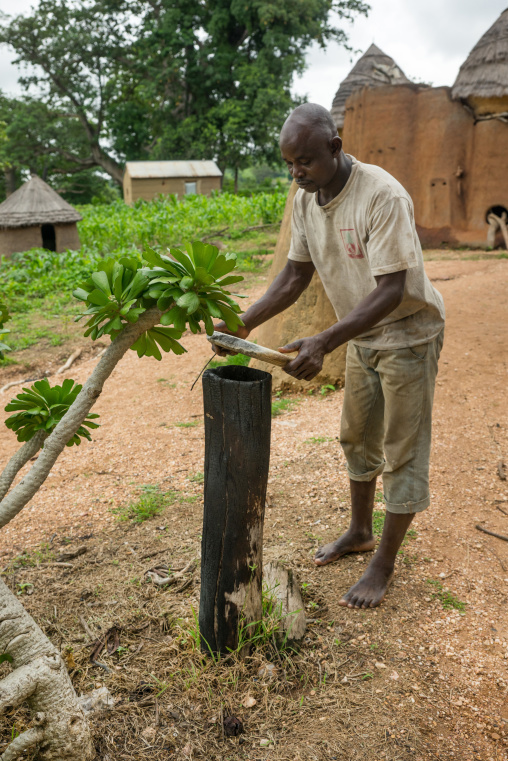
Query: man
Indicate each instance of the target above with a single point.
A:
(354, 224)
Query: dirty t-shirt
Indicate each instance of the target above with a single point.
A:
(366, 231)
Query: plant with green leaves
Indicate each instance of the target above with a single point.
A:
(41, 407)
(4, 316)
(144, 304)
(188, 288)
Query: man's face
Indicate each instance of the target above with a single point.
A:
(312, 158)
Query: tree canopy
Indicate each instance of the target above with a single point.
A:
(161, 79)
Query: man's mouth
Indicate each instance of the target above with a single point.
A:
(303, 183)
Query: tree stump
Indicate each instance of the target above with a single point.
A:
(237, 407)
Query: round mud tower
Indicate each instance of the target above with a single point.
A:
(237, 407)
(311, 314)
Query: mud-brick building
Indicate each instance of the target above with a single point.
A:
(147, 179)
(447, 146)
(35, 216)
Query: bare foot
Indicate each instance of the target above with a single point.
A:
(348, 542)
(370, 591)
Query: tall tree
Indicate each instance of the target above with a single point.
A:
(174, 78)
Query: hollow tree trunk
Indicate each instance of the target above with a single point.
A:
(237, 406)
(40, 677)
(311, 314)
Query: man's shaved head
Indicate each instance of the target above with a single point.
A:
(310, 117)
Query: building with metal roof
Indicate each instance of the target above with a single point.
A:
(147, 179)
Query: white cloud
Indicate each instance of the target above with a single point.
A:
(429, 39)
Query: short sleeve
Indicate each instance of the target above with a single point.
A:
(392, 241)
(298, 250)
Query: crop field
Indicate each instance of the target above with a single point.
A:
(38, 284)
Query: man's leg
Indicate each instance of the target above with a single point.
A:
(408, 379)
(362, 441)
(359, 536)
(371, 589)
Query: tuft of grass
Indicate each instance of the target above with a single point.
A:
(326, 388)
(378, 521)
(197, 478)
(318, 439)
(231, 359)
(30, 559)
(150, 503)
(281, 405)
(190, 424)
(446, 598)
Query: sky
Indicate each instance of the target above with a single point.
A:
(429, 39)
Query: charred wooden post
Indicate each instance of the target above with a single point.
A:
(237, 407)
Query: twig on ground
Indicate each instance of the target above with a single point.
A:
(86, 627)
(74, 356)
(492, 533)
(501, 510)
(497, 557)
(501, 470)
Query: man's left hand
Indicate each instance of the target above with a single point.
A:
(309, 361)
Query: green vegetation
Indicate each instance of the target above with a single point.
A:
(445, 597)
(151, 502)
(282, 404)
(41, 407)
(230, 359)
(37, 285)
(318, 440)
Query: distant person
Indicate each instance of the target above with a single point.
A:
(354, 224)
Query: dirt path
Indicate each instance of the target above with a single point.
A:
(422, 677)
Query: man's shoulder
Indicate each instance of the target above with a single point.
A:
(379, 184)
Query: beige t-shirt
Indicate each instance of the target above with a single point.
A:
(368, 230)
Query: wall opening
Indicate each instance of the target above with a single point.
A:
(497, 210)
(48, 237)
(191, 188)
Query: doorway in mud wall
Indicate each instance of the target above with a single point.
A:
(48, 237)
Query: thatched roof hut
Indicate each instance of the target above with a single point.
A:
(36, 216)
(484, 74)
(373, 69)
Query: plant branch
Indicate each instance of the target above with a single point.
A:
(69, 424)
(20, 458)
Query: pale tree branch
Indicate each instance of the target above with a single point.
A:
(23, 492)
(20, 458)
(24, 742)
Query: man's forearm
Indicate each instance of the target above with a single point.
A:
(283, 292)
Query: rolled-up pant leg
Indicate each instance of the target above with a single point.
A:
(408, 379)
(362, 421)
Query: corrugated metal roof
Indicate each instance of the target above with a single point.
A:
(146, 169)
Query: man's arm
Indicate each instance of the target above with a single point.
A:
(372, 309)
(282, 293)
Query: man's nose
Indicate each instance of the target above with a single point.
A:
(298, 171)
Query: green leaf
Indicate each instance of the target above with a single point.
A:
(189, 301)
(100, 279)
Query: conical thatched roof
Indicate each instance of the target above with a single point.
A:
(35, 203)
(373, 69)
(485, 71)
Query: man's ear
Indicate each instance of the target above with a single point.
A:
(336, 145)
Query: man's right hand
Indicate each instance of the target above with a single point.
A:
(221, 327)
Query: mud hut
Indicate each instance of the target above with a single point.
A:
(146, 179)
(447, 146)
(482, 82)
(36, 216)
(373, 69)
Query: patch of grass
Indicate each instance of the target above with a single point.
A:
(318, 439)
(324, 390)
(231, 359)
(378, 521)
(189, 424)
(446, 598)
(281, 405)
(197, 478)
(150, 503)
(30, 559)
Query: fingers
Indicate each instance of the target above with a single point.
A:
(295, 346)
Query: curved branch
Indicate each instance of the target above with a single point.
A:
(69, 424)
(22, 743)
(20, 458)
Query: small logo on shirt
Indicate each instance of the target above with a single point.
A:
(351, 244)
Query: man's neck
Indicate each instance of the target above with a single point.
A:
(342, 175)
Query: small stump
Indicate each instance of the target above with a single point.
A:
(237, 407)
